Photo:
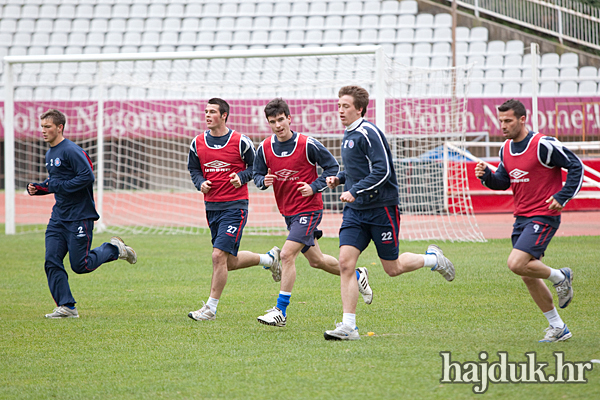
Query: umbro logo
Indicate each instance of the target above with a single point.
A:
(518, 175)
(216, 164)
(286, 174)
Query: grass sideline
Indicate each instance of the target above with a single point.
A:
(135, 341)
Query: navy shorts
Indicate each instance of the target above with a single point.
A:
(381, 225)
(303, 228)
(226, 227)
(532, 235)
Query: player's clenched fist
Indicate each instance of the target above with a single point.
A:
(480, 169)
(205, 188)
(269, 178)
(305, 189)
(235, 180)
(332, 182)
(347, 197)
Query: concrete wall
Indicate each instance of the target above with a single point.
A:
(501, 32)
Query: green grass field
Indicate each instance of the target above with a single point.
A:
(133, 339)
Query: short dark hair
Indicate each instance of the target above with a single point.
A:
(515, 105)
(276, 107)
(360, 95)
(223, 106)
(56, 116)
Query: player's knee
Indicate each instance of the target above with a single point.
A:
(219, 257)
(286, 256)
(80, 268)
(515, 266)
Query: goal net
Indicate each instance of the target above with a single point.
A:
(136, 115)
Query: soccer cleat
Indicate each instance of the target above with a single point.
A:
(564, 289)
(556, 334)
(125, 252)
(444, 266)
(63, 312)
(273, 317)
(275, 268)
(203, 314)
(342, 332)
(363, 285)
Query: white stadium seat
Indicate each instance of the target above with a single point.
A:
(515, 47)
(408, 7)
(569, 60)
(588, 72)
(479, 34)
(587, 88)
(511, 89)
(550, 60)
(442, 20)
(548, 89)
(568, 88)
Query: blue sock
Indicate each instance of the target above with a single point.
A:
(357, 274)
(70, 306)
(283, 301)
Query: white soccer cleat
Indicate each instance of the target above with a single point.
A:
(342, 332)
(203, 314)
(125, 252)
(275, 268)
(273, 317)
(564, 289)
(556, 334)
(63, 312)
(444, 266)
(363, 285)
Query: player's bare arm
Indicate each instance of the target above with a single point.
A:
(235, 180)
(347, 197)
(332, 182)
(205, 188)
(305, 189)
(554, 205)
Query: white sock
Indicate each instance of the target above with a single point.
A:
(554, 319)
(349, 319)
(212, 304)
(266, 260)
(556, 276)
(430, 260)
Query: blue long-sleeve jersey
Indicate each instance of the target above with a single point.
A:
(246, 153)
(369, 173)
(71, 179)
(551, 153)
(317, 153)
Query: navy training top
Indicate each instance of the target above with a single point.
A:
(368, 173)
(71, 179)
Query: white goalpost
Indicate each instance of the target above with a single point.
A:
(136, 115)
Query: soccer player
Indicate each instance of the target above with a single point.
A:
(220, 163)
(71, 225)
(371, 209)
(530, 164)
(288, 161)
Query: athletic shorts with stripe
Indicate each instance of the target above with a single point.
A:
(226, 227)
(533, 234)
(303, 228)
(381, 225)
